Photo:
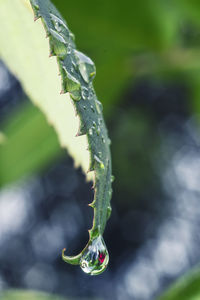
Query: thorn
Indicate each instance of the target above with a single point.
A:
(62, 92)
(36, 18)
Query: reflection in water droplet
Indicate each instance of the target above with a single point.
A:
(86, 66)
(73, 86)
(58, 23)
(84, 93)
(95, 259)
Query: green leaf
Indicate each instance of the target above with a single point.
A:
(76, 116)
(28, 144)
(186, 288)
(28, 295)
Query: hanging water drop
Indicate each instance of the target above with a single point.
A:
(95, 259)
(86, 66)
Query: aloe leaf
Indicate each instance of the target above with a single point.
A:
(20, 38)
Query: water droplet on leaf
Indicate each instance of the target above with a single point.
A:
(90, 131)
(85, 93)
(73, 86)
(95, 258)
(58, 44)
(58, 23)
(86, 66)
(99, 161)
(109, 210)
(92, 108)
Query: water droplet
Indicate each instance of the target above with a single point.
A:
(58, 23)
(112, 178)
(58, 44)
(98, 106)
(109, 210)
(73, 86)
(92, 108)
(100, 121)
(72, 36)
(95, 258)
(85, 93)
(103, 140)
(86, 66)
(69, 49)
(84, 107)
(58, 36)
(98, 130)
(90, 131)
(99, 161)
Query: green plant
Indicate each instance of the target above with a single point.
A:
(83, 109)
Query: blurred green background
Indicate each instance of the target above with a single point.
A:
(147, 55)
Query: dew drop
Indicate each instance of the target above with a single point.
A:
(112, 178)
(58, 23)
(109, 210)
(92, 108)
(84, 107)
(90, 131)
(99, 161)
(58, 43)
(73, 86)
(72, 36)
(86, 66)
(69, 49)
(98, 106)
(58, 36)
(103, 140)
(85, 93)
(95, 258)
